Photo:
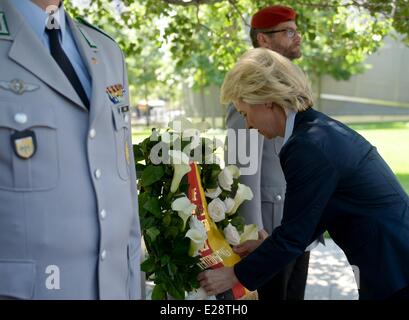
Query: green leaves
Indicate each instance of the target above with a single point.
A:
(158, 293)
(148, 265)
(238, 222)
(167, 44)
(177, 293)
(151, 175)
(164, 260)
(152, 233)
(138, 154)
(172, 232)
(153, 206)
(166, 220)
(170, 267)
(209, 175)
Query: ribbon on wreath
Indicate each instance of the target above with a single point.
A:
(217, 252)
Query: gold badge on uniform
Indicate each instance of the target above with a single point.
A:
(24, 144)
(116, 93)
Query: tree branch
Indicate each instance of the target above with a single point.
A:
(199, 24)
(191, 2)
(353, 3)
(233, 4)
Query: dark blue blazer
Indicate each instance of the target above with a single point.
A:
(337, 181)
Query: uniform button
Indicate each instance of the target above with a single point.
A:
(103, 255)
(20, 118)
(278, 198)
(98, 173)
(103, 214)
(92, 133)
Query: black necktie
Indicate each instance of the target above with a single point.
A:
(61, 58)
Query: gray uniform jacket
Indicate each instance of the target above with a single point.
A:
(268, 183)
(69, 225)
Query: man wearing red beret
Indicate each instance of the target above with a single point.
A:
(274, 28)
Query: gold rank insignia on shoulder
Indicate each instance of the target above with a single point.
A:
(116, 93)
(24, 144)
(4, 29)
(18, 86)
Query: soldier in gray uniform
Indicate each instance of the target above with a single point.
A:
(273, 28)
(69, 225)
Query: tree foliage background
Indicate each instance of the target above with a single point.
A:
(170, 42)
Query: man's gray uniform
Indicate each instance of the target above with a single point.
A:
(69, 225)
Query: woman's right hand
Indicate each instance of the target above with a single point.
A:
(249, 246)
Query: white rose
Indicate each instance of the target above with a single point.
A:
(243, 193)
(184, 208)
(229, 203)
(231, 235)
(225, 179)
(217, 210)
(213, 193)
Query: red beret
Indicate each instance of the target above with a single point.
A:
(269, 17)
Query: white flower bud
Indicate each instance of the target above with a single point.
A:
(180, 162)
(234, 170)
(198, 236)
(243, 193)
(184, 208)
(250, 233)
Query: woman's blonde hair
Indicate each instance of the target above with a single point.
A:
(261, 76)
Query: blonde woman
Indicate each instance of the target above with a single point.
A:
(336, 181)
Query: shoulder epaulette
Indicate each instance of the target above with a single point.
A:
(85, 22)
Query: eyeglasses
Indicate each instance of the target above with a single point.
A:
(289, 32)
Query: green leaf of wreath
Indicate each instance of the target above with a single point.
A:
(152, 233)
(158, 293)
(151, 175)
(153, 206)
